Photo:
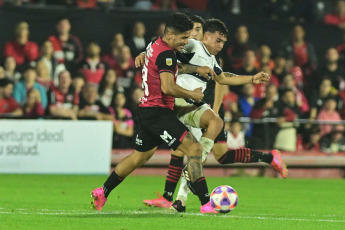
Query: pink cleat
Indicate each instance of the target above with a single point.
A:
(98, 199)
(159, 202)
(207, 208)
(278, 164)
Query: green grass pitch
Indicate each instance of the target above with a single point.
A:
(63, 202)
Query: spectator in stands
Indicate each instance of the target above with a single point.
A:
(2, 73)
(287, 112)
(67, 47)
(92, 67)
(142, 5)
(263, 57)
(108, 87)
(23, 50)
(325, 91)
(125, 70)
(236, 52)
(248, 68)
(90, 108)
(33, 107)
(332, 70)
(78, 83)
(123, 122)
(63, 100)
(29, 82)
(301, 100)
(300, 52)
(137, 43)
(312, 139)
(160, 31)
(164, 5)
(245, 105)
(11, 70)
(112, 58)
(338, 17)
(333, 142)
(8, 104)
(43, 76)
(263, 134)
(52, 64)
(328, 113)
(235, 135)
(279, 70)
(341, 51)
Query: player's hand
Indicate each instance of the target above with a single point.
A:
(261, 78)
(140, 60)
(197, 94)
(206, 72)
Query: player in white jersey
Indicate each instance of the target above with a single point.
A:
(202, 116)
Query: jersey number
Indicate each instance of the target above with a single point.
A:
(144, 84)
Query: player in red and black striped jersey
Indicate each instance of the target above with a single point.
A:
(157, 120)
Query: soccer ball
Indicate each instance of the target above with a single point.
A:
(224, 199)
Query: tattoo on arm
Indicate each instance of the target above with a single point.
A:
(228, 74)
(185, 68)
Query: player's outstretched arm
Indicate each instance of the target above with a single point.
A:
(219, 92)
(233, 79)
(204, 71)
(169, 87)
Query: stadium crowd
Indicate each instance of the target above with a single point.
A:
(58, 79)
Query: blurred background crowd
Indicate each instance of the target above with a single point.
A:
(68, 77)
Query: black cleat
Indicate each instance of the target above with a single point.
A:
(178, 207)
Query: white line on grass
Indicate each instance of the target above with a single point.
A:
(25, 211)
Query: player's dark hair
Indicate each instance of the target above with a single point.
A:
(179, 22)
(215, 25)
(197, 18)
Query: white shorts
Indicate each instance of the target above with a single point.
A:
(189, 114)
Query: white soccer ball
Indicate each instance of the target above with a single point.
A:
(224, 199)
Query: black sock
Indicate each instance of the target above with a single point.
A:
(112, 181)
(200, 189)
(245, 155)
(174, 174)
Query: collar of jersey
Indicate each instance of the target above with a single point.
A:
(203, 46)
(166, 44)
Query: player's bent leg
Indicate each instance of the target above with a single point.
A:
(219, 149)
(212, 123)
(198, 184)
(122, 170)
(246, 155)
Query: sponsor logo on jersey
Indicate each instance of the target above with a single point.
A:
(168, 61)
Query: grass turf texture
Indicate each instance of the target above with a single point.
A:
(63, 202)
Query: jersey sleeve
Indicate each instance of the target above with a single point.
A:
(190, 46)
(166, 62)
(216, 68)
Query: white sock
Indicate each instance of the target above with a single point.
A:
(207, 145)
(183, 191)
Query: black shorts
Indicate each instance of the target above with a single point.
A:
(156, 125)
(223, 135)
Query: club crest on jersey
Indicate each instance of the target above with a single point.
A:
(168, 61)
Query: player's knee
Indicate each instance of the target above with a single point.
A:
(216, 123)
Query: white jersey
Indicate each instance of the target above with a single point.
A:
(195, 53)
